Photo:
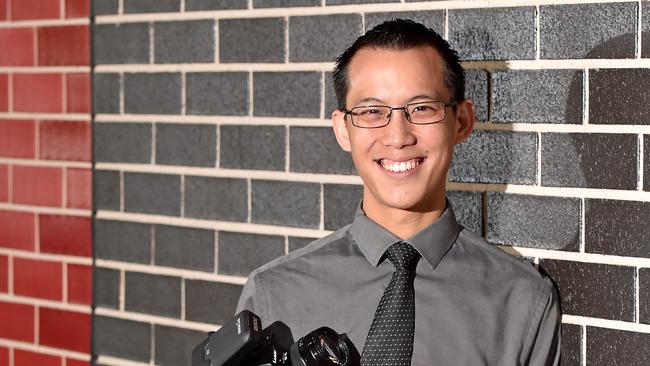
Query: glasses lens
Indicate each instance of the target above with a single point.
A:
(426, 112)
(371, 116)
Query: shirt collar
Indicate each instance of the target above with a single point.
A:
(432, 242)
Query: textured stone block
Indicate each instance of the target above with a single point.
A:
(296, 243)
(192, 5)
(251, 40)
(210, 302)
(340, 204)
(577, 30)
(300, 95)
(315, 150)
(252, 147)
(496, 157)
(240, 253)
(476, 89)
(644, 295)
(619, 96)
(589, 160)
(126, 43)
(217, 93)
(321, 37)
(106, 287)
(122, 142)
(216, 198)
(617, 227)
(104, 7)
(434, 19)
(185, 144)
(493, 33)
(593, 290)
(286, 203)
(468, 208)
(184, 41)
(121, 338)
(174, 345)
(106, 93)
(152, 193)
(106, 190)
(571, 345)
(123, 241)
(148, 6)
(154, 93)
(153, 294)
(548, 96)
(534, 221)
(184, 247)
(284, 3)
(613, 347)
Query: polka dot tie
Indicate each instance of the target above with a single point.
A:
(390, 339)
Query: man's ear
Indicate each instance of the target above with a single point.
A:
(341, 129)
(464, 120)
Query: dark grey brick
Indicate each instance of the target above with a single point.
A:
(106, 93)
(572, 31)
(617, 227)
(646, 163)
(185, 144)
(284, 3)
(184, 41)
(121, 338)
(106, 190)
(534, 221)
(476, 89)
(123, 241)
(300, 95)
(184, 247)
(589, 160)
(619, 96)
(122, 142)
(104, 7)
(240, 253)
(344, 2)
(152, 193)
(593, 290)
(468, 207)
(157, 93)
(251, 40)
(106, 287)
(493, 33)
(126, 43)
(152, 294)
(220, 93)
(496, 157)
(549, 96)
(321, 37)
(434, 19)
(216, 198)
(191, 5)
(645, 33)
(340, 204)
(148, 6)
(174, 345)
(252, 147)
(330, 96)
(210, 302)
(571, 345)
(612, 347)
(644, 295)
(315, 150)
(296, 243)
(286, 203)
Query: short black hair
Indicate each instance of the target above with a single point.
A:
(401, 34)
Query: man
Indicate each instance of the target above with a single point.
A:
(402, 108)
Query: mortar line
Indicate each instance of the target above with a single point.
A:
(64, 278)
(217, 162)
(583, 345)
(286, 244)
(121, 299)
(446, 24)
(152, 56)
(286, 39)
(121, 92)
(217, 56)
(639, 30)
(538, 37)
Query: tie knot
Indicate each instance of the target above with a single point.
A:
(403, 256)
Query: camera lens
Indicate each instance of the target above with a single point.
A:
(322, 347)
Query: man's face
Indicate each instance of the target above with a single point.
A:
(396, 78)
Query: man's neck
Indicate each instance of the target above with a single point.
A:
(403, 223)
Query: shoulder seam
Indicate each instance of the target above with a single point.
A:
(536, 316)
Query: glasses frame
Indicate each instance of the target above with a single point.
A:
(404, 110)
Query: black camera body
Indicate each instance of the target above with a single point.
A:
(242, 341)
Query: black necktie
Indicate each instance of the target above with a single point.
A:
(390, 339)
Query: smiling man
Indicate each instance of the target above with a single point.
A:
(404, 280)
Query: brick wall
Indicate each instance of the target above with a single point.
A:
(214, 155)
(45, 183)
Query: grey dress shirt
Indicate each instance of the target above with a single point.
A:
(474, 304)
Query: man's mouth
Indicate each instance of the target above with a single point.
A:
(400, 166)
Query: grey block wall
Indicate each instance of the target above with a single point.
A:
(214, 154)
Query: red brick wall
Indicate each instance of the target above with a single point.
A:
(45, 183)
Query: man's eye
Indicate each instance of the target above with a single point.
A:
(369, 112)
(423, 109)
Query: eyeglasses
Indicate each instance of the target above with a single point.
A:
(420, 113)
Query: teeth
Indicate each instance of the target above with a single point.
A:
(400, 166)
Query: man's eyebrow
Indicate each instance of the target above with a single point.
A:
(423, 96)
(370, 100)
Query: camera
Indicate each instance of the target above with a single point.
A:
(242, 341)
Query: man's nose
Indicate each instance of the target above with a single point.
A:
(399, 131)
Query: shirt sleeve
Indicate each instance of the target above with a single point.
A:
(545, 349)
(252, 297)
